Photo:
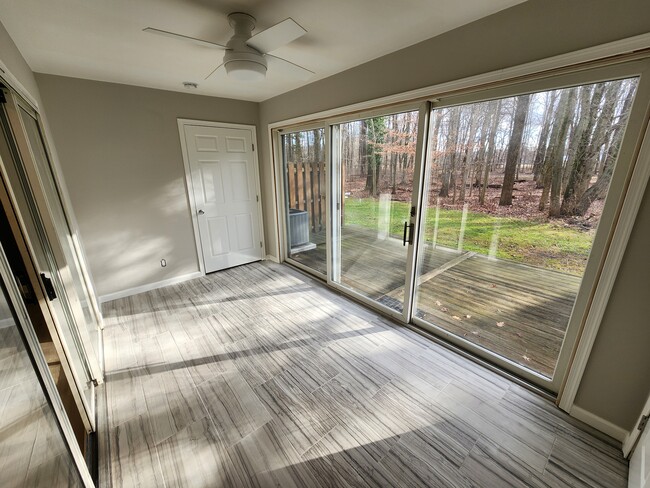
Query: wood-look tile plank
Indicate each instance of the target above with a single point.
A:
(575, 463)
(401, 467)
(265, 449)
(196, 457)
(134, 459)
(233, 406)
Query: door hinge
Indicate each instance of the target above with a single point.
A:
(49, 288)
(261, 244)
(257, 197)
(643, 422)
(253, 147)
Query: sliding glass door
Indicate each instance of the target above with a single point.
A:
(305, 191)
(376, 165)
(483, 217)
(515, 188)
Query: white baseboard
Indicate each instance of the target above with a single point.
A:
(269, 257)
(148, 287)
(599, 423)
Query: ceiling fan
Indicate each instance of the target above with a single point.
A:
(247, 56)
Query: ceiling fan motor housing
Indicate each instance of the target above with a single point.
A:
(242, 61)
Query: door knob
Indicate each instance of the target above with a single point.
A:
(201, 212)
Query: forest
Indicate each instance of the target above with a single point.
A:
(545, 158)
(559, 146)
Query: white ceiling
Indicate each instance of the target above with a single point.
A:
(103, 39)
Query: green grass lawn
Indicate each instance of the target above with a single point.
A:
(545, 244)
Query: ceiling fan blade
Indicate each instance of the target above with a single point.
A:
(213, 71)
(276, 36)
(288, 68)
(173, 35)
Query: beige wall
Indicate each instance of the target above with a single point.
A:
(120, 153)
(11, 57)
(616, 383)
(613, 388)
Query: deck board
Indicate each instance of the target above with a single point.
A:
(531, 305)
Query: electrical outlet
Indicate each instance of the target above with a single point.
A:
(163, 263)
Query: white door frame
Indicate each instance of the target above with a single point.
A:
(190, 187)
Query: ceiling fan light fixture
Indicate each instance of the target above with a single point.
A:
(246, 70)
(245, 66)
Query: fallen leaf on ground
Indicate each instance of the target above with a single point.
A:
(526, 358)
(468, 316)
(444, 309)
(455, 317)
(438, 303)
(500, 324)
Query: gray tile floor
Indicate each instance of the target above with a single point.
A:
(260, 376)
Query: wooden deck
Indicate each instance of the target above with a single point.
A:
(517, 311)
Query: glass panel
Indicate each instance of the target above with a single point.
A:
(514, 193)
(376, 158)
(32, 449)
(46, 263)
(305, 186)
(86, 314)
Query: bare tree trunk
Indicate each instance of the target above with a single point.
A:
(491, 140)
(469, 150)
(583, 160)
(557, 155)
(542, 145)
(514, 148)
(599, 190)
(555, 147)
(449, 169)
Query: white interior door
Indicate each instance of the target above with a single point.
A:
(640, 463)
(222, 164)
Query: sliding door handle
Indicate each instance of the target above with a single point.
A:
(408, 229)
(49, 287)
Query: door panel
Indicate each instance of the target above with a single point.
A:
(33, 451)
(76, 284)
(514, 192)
(34, 227)
(222, 163)
(376, 159)
(305, 195)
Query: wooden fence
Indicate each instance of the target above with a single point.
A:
(307, 186)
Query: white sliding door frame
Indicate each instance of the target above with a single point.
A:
(190, 187)
(283, 226)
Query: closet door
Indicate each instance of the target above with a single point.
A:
(82, 302)
(37, 445)
(34, 225)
